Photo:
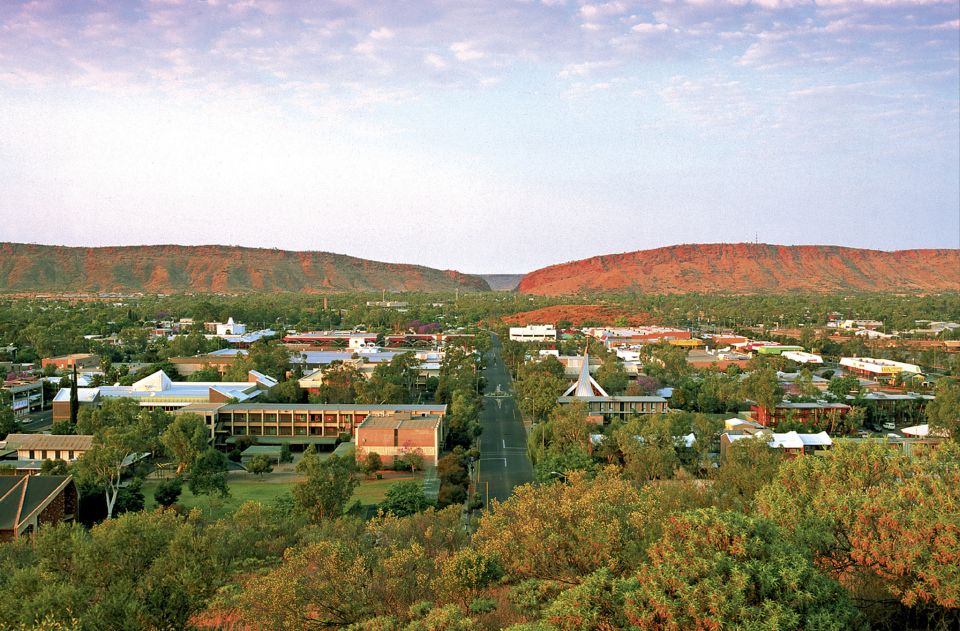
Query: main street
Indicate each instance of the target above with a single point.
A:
(504, 462)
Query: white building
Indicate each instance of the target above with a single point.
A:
(869, 365)
(802, 358)
(230, 328)
(533, 333)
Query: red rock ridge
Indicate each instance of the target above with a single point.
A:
(748, 268)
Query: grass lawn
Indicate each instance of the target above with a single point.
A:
(242, 489)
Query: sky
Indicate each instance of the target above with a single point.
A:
(480, 135)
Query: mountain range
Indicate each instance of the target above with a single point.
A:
(749, 268)
(211, 269)
(741, 268)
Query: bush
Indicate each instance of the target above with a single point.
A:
(168, 491)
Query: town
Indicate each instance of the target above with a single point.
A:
(477, 410)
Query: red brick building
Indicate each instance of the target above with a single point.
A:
(393, 435)
(67, 362)
(807, 413)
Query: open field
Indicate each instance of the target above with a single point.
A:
(242, 489)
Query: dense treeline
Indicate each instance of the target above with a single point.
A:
(40, 328)
(862, 537)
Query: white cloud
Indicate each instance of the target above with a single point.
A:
(382, 33)
(465, 51)
(436, 61)
(646, 28)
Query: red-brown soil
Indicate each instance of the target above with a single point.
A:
(747, 268)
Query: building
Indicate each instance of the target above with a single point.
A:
(28, 503)
(40, 447)
(83, 361)
(398, 433)
(26, 397)
(300, 424)
(806, 413)
(793, 444)
(229, 328)
(883, 369)
(614, 337)
(770, 349)
(342, 339)
(158, 391)
(802, 358)
(534, 333)
(587, 391)
(718, 359)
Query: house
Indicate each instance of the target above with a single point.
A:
(159, 391)
(30, 502)
(393, 435)
(36, 448)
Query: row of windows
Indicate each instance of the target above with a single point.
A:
(53, 454)
(283, 430)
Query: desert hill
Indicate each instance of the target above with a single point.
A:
(213, 268)
(747, 268)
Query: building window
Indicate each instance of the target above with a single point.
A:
(70, 454)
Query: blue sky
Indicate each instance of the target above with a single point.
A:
(486, 136)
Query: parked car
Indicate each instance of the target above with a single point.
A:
(889, 425)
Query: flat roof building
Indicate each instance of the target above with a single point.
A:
(396, 434)
(534, 333)
(158, 390)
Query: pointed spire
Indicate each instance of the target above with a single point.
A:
(584, 387)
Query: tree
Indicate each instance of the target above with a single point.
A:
(372, 462)
(749, 465)
(185, 438)
(405, 498)
(270, 357)
(944, 412)
(412, 458)
(288, 391)
(208, 474)
(168, 491)
(341, 383)
(328, 486)
(8, 422)
(74, 400)
(612, 376)
(210, 373)
(54, 467)
(882, 523)
(537, 394)
(563, 532)
(63, 428)
(259, 465)
(714, 569)
(762, 387)
(840, 387)
(391, 382)
(121, 431)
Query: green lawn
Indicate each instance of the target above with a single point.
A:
(368, 492)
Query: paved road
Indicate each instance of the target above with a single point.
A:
(504, 462)
(37, 422)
